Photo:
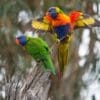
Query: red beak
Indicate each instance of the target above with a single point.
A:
(17, 41)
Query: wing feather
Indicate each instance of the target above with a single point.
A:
(83, 20)
(40, 25)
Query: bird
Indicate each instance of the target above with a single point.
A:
(56, 21)
(38, 49)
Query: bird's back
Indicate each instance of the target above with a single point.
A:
(36, 47)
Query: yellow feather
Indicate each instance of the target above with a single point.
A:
(63, 48)
(40, 25)
(81, 22)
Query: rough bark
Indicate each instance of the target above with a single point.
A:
(35, 86)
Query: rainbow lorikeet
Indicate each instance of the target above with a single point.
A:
(38, 49)
(63, 25)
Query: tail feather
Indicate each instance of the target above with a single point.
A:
(63, 54)
(49, 65)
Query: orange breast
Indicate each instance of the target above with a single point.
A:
(61, 20)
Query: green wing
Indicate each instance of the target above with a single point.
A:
(39, 50)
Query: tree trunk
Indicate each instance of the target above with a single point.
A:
(35, 87)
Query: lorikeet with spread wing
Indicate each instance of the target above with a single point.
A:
(63, 25)
(38, 49)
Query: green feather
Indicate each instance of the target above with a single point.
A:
(58, 10)
(63, 48)
(39, 50)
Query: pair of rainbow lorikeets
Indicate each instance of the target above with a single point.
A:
(55, 21)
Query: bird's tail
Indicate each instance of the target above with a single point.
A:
(63, 48)
(49, 65)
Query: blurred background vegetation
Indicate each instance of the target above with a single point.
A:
(84, 56)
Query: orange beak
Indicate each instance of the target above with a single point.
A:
(17, 41)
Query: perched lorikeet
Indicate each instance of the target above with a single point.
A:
(63, 25)
(38, 49)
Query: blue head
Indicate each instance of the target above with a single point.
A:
(21, 40)
(52, 12)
